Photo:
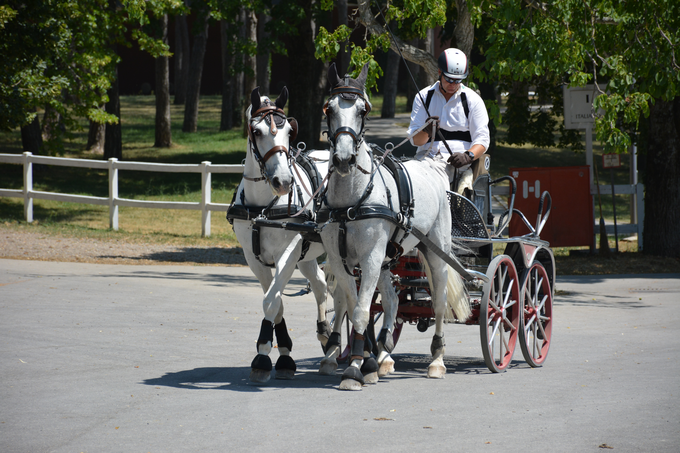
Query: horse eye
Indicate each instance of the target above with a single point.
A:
(257, 132)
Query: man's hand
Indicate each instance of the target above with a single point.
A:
(460, 159)
(433, 126)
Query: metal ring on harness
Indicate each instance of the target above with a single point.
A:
(353, 214)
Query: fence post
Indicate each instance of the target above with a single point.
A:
(640, 204)
(206, 187)
(28, 187)
(113, 194)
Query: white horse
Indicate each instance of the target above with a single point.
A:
(360, 196)
(276, 187)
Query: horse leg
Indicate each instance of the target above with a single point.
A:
(439, 272)
(273, 316)
(390, 304)
(311, 270)
(329, 363)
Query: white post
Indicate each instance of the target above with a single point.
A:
(113, 194)
(206, 187)
(633, 180)
(28, 187)
(639, 194)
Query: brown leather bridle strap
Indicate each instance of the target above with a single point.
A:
(277, 149)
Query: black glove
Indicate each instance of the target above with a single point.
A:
(432, 129)
(460, 159)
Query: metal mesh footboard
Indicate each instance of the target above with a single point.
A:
(466, 220)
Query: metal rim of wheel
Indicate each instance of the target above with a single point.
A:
(499, 313)
(537, 315)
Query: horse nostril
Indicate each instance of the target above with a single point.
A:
(336, 161)
(276, 182)
(352, 159)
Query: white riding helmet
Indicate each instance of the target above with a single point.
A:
(453, 64)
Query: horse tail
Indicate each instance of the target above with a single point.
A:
(457, 300)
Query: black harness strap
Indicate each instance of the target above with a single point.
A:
(453, 135)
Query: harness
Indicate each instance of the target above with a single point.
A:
(240, 211)
(453, 135)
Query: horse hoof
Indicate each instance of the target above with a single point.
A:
(350, 384)
(436, 371)
(285, 367)
(328, 368)
(285, 374)
(369, 370)
(386, 367)
(260, 376)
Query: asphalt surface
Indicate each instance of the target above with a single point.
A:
(117, 358)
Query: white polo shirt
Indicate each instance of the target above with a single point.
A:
(451, 118)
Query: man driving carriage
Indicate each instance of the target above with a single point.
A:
(455, 113)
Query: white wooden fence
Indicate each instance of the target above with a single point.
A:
(206, 169)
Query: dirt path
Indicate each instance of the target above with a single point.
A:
(24, 245)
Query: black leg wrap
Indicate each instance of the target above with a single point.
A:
(352, 372)
(261, 362)
(370, 366)
(437, 343)
(386, 340)
(358, 347)
(285, 362)
(282, 337)
(334, 340)
(266, 333)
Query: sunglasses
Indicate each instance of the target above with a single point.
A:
(455, 81)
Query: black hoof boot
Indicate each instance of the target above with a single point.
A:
(285, 367)
(352, 379)
(370, 370)
(260, 369)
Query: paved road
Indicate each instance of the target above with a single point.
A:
(115, 358)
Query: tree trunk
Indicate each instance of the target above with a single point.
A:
(227, 110)
(113, 137)
(196, 70)
(389, 106)
(662, 191)
(95, 138)
(263, 66)
(307, 83)
(182, 59)
(51, 122)
(240, 100)
(251, 60)
(465, 31)
(344, 57)
(31, 137)
(163, 129)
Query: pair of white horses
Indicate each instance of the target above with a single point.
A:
(356, 185)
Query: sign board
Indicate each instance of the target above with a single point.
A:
(578, 106)
(611, 160)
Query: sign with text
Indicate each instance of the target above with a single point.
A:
(578, 106)
(611, 160)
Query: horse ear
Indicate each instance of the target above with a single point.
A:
(361, 80)
(282, 99)
(255, 100)
(333, 78)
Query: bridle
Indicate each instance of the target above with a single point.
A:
(269, 112)
(351, 92)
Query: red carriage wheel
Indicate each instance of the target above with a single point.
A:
(499, 313)
(536, 320)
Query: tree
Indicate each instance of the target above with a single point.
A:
(200, 34)
(163, 129)
(630, 46)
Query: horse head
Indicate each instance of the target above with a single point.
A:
(346, 112)
(269, 136)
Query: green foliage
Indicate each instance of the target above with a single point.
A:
(630, 46)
